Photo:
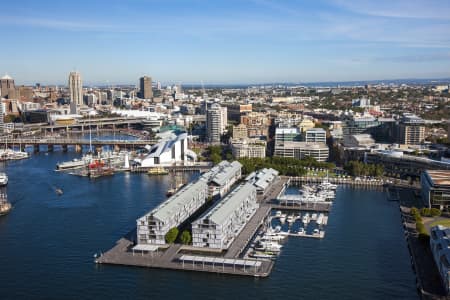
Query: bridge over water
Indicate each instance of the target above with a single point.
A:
(78, 143)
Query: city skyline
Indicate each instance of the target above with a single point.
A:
(229, 42)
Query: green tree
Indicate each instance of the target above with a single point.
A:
(171, 235)
(186, 237)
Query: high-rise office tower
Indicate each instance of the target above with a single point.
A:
(76, 91)
(146, 87)
(214, 123)
(8, 90)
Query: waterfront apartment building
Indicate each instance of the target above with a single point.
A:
(221, 224)
(221, 177)
(75, 91)
(440, 248)
(248, 148)
(315, 135)
(145, 84)
(262, 179)
(301, 150)
(436, 189)
(153, 227)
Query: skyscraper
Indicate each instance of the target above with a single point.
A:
(214, 123)
(8, 90)
(146, 87)
(76, 91)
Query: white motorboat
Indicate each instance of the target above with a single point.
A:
(3, 179)
(9, 154)
(73, 164)
(314, 217)
(275, 237)
(316, 231)
(278, 214)
(290, 219)
(301, 231)
(320, 219)
(269, 246)
(305, 218)
(283, 218)
(263, 255)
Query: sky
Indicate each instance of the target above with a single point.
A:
(229, 42)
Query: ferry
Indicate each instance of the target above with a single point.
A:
(158, 171)
(72, 164)
(3, 179)
(5, 206)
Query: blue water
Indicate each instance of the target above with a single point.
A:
(47, 244)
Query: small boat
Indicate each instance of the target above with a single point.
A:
(283, 218)
(290, 219)
(3, 179)
(316, 231)
(276, 237)
(305, 218)
(314, 216)
(278, 214)
(320, 219)
(158, 171)
(59, 191)
(269, 246)
(263, 255)
(5, 206)
(301, 231)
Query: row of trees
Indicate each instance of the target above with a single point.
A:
(357, 168)
(184, 238)
(285, 165)
(423, 233)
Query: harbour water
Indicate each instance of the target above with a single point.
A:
(47, 244)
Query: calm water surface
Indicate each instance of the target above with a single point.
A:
(47, 244)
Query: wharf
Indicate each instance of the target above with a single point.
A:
(122, 254)
(315, 206)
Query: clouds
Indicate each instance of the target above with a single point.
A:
(418, 9)
(231, 40)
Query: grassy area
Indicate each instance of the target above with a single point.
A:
(443, 222)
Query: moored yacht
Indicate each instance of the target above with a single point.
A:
(3, 179)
